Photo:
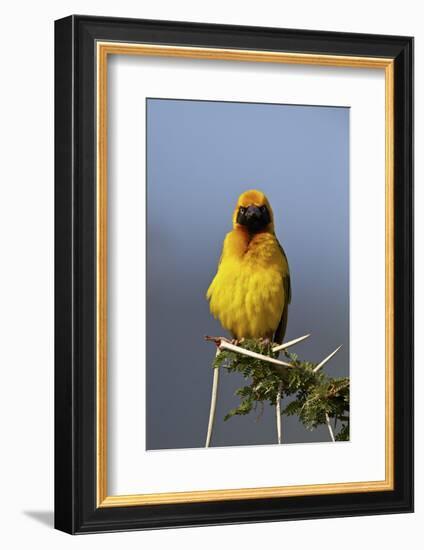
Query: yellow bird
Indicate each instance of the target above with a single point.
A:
(250, 292)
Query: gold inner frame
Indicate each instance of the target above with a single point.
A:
(104, 49)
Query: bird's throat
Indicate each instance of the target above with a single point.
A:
(245, 240)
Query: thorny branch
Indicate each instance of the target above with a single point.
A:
(314, 397)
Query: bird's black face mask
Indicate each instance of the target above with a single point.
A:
(254, 218)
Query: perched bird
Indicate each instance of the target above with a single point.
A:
(250, 292)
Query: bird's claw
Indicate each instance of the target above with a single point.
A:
(237, 341)
(217, 340)
(266, 342)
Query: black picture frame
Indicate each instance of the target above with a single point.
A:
(76, 510)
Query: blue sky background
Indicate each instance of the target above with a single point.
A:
(200, 157)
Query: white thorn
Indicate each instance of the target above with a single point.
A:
(330, 429)
(213, 402)
(324, 361)
(291, 343)
(237, 349)
(278, 413)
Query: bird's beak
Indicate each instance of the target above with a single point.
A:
(254, 218)
(253, 214)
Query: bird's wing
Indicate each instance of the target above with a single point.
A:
(282, 325)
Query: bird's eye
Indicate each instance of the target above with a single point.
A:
(263, 208)
(242, 210)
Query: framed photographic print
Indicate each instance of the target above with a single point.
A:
(234, 270)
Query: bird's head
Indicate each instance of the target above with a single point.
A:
(253, 212)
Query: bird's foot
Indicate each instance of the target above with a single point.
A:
(237, 341)
(218, 340)
(266, 342)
